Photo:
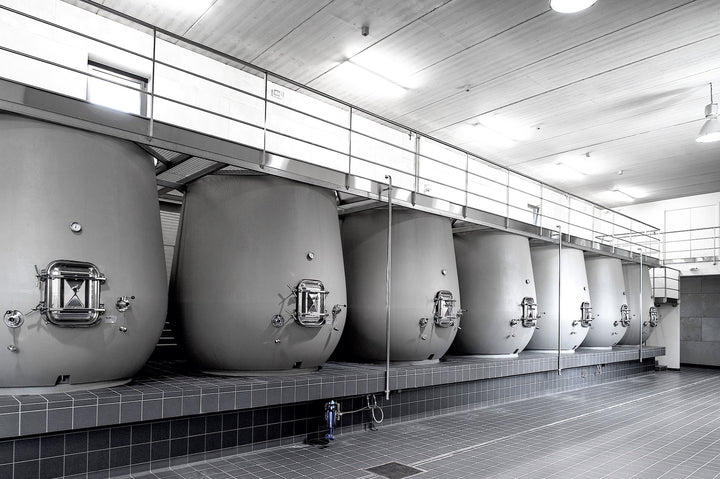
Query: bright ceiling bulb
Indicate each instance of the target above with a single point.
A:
(710, 131)
(570, 6)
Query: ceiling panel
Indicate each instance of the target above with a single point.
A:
(624, 80)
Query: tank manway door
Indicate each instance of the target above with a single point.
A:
(529, 313)
(653, 316)
(624, 316)
(445, 315)
(71, 293)
(585, 315)
(310, 311)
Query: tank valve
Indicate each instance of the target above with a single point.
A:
(423, 322)
(123, 303)
(123, 329)
(278, 320)
(13, 349)
(654, 318)
(277, 341)
(13, 318)
(332, 414)
(337, 309)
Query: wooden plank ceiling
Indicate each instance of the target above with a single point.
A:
(621, 86)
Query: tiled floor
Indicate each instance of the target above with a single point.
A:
(665, 425)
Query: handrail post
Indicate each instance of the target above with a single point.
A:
(151, 125)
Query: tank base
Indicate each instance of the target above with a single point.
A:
(62, 388)
(597, 348)
(279, 372)
(491, 356)
(551, 351)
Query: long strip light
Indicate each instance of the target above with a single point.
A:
(370, 79)
(622, 196)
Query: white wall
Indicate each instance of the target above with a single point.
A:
(655, 214)
(667, 334)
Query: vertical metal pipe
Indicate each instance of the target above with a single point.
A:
(388, 276)
(151, 126)
(642, 311)
(559, 366)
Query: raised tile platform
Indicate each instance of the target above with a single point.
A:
(165, 390)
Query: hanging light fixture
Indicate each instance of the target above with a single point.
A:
(710, 131)
(570, 6)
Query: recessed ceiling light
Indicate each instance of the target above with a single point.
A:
(570, 6)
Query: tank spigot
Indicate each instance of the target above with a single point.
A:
(12, 348)
(123, 303)
(332, 414)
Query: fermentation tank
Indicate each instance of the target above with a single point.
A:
(498, 290)
(259, 285)
(574, 303)
(83, 287)
(609, 301)
(643, 315)
(425, 303)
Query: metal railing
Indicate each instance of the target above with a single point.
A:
(691, 245)
(203, 90)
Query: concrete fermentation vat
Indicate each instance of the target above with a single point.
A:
(259, 284)
(425, 302)
(643, 314)
(568, 315)
(609, 302)
(83, 287)
(498, 290)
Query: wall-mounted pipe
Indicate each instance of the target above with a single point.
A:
(388, 276)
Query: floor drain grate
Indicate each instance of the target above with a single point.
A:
(394, 470)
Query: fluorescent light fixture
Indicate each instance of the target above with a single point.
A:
(508, 128)
(566, 172)
(489, 136)
(184, 6)
(621, 196)
(710, 130)
(571, 6)
(365, 78)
